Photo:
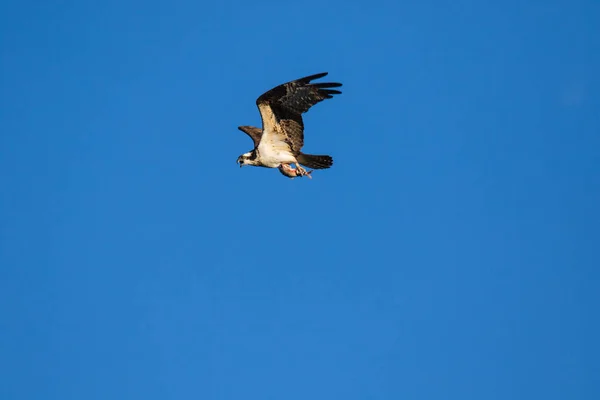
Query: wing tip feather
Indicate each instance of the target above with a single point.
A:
(313, 77)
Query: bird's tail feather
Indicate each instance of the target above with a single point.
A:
(315, 162)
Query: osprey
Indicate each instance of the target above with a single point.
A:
(278, 143)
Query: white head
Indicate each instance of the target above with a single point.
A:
(248, 158)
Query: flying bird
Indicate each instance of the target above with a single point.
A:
(279, 143)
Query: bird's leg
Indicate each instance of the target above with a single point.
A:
(302, 172)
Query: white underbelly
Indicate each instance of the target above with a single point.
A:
(273, 150)
(273, 158)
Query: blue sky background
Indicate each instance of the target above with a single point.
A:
(450, 253)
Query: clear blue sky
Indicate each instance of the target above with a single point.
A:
(450, 253)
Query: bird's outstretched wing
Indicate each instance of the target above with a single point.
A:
(282, 107)
(298, 96)
(254, 133)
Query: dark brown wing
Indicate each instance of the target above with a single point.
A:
(300, 95)
(290, 100)
(254, 133)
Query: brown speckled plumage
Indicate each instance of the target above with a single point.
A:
(281, 110)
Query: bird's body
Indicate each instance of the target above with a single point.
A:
(278, 143)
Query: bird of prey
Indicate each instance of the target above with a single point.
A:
(278, 144)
